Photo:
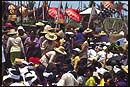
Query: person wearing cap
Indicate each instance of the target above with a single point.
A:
(48, 44)
(21, 33)
(14, 46)
(32, 45)
(76, 57)
(51, 56)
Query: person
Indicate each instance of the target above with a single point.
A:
(39, 72)
(14, 46)
(21, 33)
(108, 79)
(31, 45)
(48, 44)
(76, 57)
(90, 79)
(67, 79)
(51, 56)
(3, 61)
(7, 80)
(39, 27)
(121, 79)
(81, 78)
(84, 48)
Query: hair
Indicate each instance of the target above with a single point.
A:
(81, 70)
(107, 75)
(121, 74)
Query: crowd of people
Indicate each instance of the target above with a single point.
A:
(49, 56)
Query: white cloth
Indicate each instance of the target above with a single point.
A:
(14, 44)
(67, 79)
(51, 55)
(80, 79)
(101, 55)
(3, 55)
(17, 84)
(91, 53)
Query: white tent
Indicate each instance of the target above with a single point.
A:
(88, 11)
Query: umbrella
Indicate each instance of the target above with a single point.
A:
(108, 4)
(88, 11)
(53, 11)
(73, 14)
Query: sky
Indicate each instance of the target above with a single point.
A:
(74, 4)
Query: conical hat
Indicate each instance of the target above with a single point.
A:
(102, 33)
(125, 68)
(88, 30)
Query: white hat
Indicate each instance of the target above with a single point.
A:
(121, 33)
(70, 33)
(13, 76)
(21, 27)
(115, 69)
(108, 43)
(47, 74)
(25, 62)
(101, 71)
(104, 47)
(6, 77)
(91, 43)
(77, 50)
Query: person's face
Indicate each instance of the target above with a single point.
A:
(21, 32)
(32, 34)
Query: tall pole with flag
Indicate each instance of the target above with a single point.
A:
(21, 14)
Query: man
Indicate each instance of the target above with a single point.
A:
(51, 56)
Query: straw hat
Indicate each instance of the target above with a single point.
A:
(12, 17)
(39, 24)
(77, 50)
(88, 30)
(60, 34)
(76, 28)
(51, 36)
(125, 68)
(60, 50)
(12, 31)
(102, 33)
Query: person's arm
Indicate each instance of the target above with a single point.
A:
(52, 57)
(22, 48)
(84, 47)
(44, 45)
(8, 45)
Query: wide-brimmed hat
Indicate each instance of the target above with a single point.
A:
(51, 36)
(125, 68)
(102, 33)
(76, 28)
(60, 34)
(77, 50)
(12, 17)
(88, 30)
(39, 24)
(21, 28)
(12, 31)
(46, 30)
(60, 50)
(6, 77)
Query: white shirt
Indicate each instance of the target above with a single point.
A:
(51, 55)
(17, 84)
(101, 55)
(91, 53)
(67, 79)
(3, 55)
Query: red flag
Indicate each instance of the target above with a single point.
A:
(122, 6)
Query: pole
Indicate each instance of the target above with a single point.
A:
(21, 14)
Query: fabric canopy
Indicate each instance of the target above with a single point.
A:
(88, 11)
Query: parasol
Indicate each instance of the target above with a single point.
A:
(108, 4)
(53, 11)
(73, 14)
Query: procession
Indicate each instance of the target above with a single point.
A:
(45, 45)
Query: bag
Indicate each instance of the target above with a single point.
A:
(18, 61)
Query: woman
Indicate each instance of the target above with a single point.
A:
(32, 45)
(14, 46)
(21, 33)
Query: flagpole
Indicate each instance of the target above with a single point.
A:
(21, 14)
